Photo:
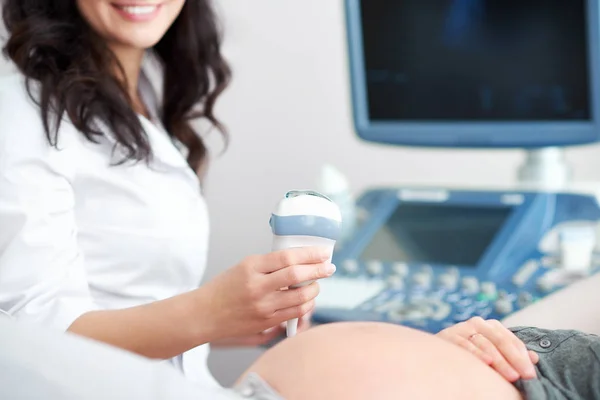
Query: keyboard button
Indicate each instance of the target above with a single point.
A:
(470, 285)
(504, 307)
(462, 317)
(453, 298)
(374, 268)
(546, 283)
(448, 281)
(488, 289)
(426, 269)
(525, 273)
(400, 269)
(441, 312)
(525, 299)
(422, 279)
(395, 282)
(466, 302)
(350, 266)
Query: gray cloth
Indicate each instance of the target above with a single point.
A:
(569, 366)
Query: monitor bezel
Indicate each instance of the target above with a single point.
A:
(464, 134)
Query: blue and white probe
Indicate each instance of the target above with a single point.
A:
(305, 218)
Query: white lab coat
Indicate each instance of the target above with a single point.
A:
(39, 364)
(77, 234)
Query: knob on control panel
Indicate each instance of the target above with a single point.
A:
(374, 268)
(525, 299)
(400, 269)
(395, 282)
(422, 280)
(350, 266)
(470, 285)
(488, 291)
(504, 306)
(448, 281)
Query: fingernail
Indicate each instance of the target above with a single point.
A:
(514, 376)
(330, 269)
(531, 373)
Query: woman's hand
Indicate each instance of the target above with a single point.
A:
(263, 338)
(252, 297)
(495, 345)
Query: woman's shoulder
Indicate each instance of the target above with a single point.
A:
(21, 122)
(16, 100)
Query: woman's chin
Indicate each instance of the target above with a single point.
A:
(141, 43)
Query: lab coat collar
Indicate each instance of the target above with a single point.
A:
(167, 153)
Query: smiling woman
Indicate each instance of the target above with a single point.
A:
(140, 24)
(138, 13)
(104, 227)
(78, 48)
(114, 248)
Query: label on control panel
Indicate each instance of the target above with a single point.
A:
(347, 293)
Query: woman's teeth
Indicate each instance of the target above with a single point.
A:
(138, 10)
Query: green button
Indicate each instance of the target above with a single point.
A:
(485, 297)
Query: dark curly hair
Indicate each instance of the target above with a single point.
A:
(50, 43)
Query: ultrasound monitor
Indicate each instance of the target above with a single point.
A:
(475, 73)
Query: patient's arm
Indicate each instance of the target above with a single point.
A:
(575, 307)
(356, 361)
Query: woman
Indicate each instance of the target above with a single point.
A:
(103, 226)
(104, 229)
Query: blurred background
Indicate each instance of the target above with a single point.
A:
(288, 113)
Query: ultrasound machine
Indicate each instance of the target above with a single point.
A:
(475, 74)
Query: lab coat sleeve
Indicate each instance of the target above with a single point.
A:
(42, 275)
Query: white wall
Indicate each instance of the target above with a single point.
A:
(288, 112)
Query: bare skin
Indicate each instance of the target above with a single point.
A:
(356, 361)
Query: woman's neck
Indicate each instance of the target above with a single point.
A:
(131, 63)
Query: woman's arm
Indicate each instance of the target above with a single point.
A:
(244, 300)
(160, 330)
(42, 274)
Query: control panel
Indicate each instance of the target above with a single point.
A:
(429, 258)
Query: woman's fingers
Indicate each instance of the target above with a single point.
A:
(535, 358)
(472, 348)
(499, 363)
(298, 274)
(518, 343)
(281, 259)
(514, 352)
(496, 345)
(294, 312)
(285, 299)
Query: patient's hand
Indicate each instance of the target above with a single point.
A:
(495, 345)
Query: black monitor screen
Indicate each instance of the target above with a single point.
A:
(476, 60)
(436, 234)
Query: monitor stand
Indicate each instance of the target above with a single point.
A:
(545, 168)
